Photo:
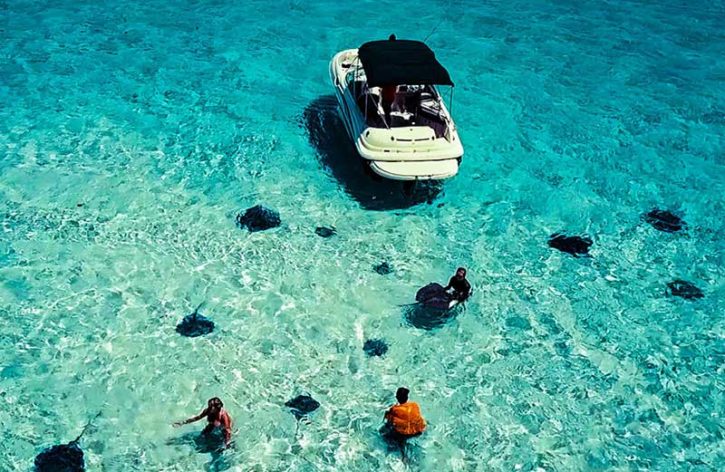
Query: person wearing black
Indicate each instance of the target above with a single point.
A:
(459, 284)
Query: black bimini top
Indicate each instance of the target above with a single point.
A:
(401, 62)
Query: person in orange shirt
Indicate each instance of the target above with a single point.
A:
(403, 421)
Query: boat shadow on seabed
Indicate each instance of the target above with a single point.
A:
(338, 154)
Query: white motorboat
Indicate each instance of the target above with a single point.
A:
(393, 111)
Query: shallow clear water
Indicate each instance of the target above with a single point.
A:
(131, 136)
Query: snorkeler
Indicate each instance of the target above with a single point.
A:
(459, 284)
(403, 421)
(217, 417)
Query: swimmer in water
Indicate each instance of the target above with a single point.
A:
(459, 284)
(217, 417)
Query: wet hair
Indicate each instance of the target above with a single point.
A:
(402, 395)
(216, 402)
(392, 37)
(463, 269)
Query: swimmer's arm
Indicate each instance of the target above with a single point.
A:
(201, 415)
(227, 427)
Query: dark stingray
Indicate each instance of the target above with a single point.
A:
(432, 308)
(302, 405)
(194, 325)
(684, 289)
(259, 218)
(383, 268)
(63, 457)
(428, 318)
(574, 245)
(434, 295)
(325, 232)
(375, 347)
(664, 220)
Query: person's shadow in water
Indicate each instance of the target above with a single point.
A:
(212, 444)
(409, 449)
(337, 153)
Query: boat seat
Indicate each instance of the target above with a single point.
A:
(373, 115)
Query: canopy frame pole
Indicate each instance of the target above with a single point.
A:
(385, 121)
(367, 97)
(450, 100)
(354, 78)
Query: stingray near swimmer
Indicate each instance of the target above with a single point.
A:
(428, 318)
(302, 405)
(434, 295)
(63, 457)
(434, 308)
(195, 325)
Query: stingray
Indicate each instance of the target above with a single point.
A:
(325, 232)
(375, 347)
(63, 457)
(383, 268)
(664, 220)
(194, 325)
(426, 317)
(574, 245)
(302, 405)
(684, 289)
(434, 295)
(433, 307)
(258, 218)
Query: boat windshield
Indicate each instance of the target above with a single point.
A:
(413, 105)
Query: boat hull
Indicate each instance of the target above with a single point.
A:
(402, 153)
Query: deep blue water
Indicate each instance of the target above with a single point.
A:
(131, 134)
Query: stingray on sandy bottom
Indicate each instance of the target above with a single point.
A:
(194, 325)
(325, 231)
(302, 405)
(574, 245)
(684, 289)
(664, 220)
(383, 268)
(63, 457)
(375, 347)
(258, 218)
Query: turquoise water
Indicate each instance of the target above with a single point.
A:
(132, 134)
